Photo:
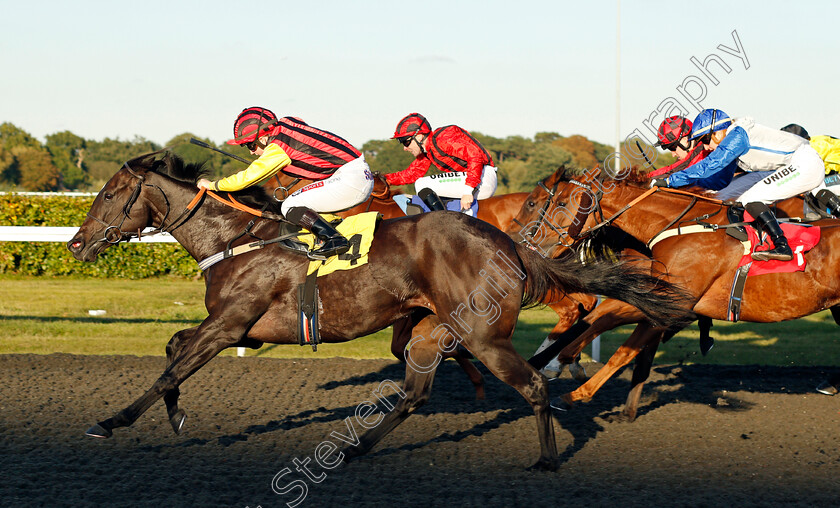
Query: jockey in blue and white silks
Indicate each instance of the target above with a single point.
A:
(777, 165)
(782, 164)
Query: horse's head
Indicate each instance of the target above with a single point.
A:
(116, 212)
(124, 207)
(555, 211)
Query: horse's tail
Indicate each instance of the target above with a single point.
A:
(664, 303)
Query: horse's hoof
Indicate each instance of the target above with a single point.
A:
(706, 345)
(562, 403)
(177, 421)
(545, 465)
(827, 388)
(553, 369)
(550, 373)
(98, 431)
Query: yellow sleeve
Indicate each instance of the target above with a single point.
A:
(267, 165)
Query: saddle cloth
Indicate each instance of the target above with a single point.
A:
(800, 237)
(358, 229)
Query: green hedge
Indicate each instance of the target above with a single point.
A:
(132, 261)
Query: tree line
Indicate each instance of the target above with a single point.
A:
(69, 162)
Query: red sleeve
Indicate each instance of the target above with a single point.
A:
(690, 159)
(415, 170)
(456, 142)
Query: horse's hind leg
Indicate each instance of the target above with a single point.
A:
(422, 359)
(504, 362)
(402, 332)
(641, 372)
(472, 372)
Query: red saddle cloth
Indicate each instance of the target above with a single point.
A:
(801, 239)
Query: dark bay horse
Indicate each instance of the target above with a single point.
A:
(499, 211)
(470, 289)
(496, 210)
(704, 262)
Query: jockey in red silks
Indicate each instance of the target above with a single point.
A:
(673, 137)
(468, 169)
(342, 177)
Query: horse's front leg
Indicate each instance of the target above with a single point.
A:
(209, 339)
(643, 335)
(176, 415)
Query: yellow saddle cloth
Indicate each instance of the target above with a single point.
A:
(358, 229)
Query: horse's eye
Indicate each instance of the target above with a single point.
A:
(531, 204)
(108, 196)
(561, 204)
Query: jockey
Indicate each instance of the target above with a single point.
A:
(673, 136)
(828, 148)
(778, 165)
(471, 174)
(342, 177)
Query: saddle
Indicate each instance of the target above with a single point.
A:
(415, 206)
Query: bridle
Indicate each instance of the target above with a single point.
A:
(575, 230)
(114, 234)
(536, 227)
(572, 230)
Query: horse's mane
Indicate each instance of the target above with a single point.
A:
(173, 166)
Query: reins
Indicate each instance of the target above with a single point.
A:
(114, 234)
(581, 215)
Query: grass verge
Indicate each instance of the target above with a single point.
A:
(45, 315)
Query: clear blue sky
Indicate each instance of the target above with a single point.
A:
(157, 69)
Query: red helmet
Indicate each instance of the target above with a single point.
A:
(252, 123)
(673, 129)
(412, 125)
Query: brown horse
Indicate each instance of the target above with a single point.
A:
(643, 214)
(251, 298)
(496, 210)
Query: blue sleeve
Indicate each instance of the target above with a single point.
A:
(735, 144)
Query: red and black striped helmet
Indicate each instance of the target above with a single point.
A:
(412, 125)
(252, 123)
(673, 129)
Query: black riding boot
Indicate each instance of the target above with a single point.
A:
(829, 201)
(765, 220)
(431, 199)
(334, 242)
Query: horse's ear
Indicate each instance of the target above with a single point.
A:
(142, 162)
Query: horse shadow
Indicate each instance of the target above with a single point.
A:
(710, 385)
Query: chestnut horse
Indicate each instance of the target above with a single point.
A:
(252, 299)
(642, 214)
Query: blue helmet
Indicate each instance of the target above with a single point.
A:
(708, 121)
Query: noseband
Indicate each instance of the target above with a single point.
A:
(572, 230)
(551, 192)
